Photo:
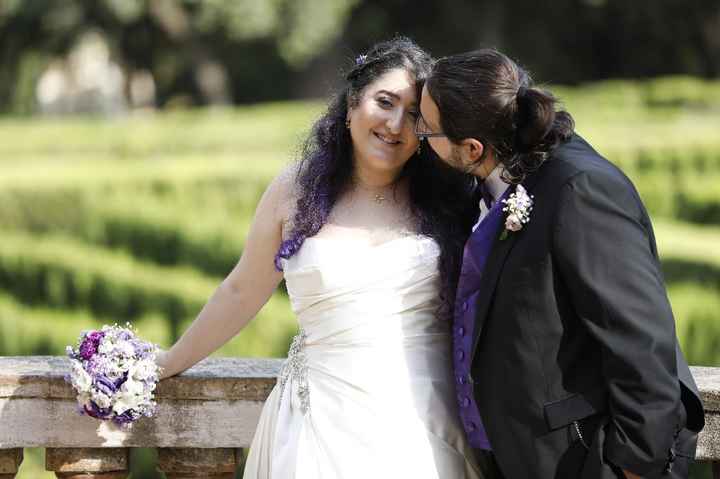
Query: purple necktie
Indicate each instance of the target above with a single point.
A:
(486, 195)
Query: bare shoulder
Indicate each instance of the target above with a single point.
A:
(280, 196)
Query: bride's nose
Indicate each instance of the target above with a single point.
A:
(394, 122)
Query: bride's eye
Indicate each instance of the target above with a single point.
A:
(384, 103)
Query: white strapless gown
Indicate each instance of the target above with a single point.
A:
(367, 391)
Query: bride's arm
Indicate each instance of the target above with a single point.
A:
(242, 293)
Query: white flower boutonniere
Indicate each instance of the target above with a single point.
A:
(518, 207)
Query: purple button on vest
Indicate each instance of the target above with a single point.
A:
(477, 250)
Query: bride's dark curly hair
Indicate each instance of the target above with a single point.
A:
(440, 198)
(485, 95)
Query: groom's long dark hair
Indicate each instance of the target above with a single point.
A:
(485, 95)
(439, 195)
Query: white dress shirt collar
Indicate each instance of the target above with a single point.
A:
(495, 184)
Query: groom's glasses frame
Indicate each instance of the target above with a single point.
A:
(422, 131)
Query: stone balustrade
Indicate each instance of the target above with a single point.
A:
(205, 418)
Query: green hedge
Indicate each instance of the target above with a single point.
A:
(33, 330)
(693, 198)
(202, 132)
(46, 331)
(696, 314)
(691, 160)
(64, 273)
(199, 225)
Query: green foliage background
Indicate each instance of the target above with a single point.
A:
(139, 218)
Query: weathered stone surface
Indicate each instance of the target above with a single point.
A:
(709, 439)
(204, 424)
(194, 461)
(212, 378)
(215, 404)
(10, 460)
(86, 460)
(708, 382)
(99, 475)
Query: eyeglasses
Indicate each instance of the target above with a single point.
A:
(422, 131)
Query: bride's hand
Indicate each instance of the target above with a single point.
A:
(161, 359)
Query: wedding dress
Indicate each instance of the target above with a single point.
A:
(367, 390)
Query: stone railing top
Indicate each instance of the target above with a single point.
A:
(215, 404)
(210, 379)
(708, 382)
(221, 378)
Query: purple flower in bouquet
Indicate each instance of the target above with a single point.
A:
(93, 410)
(124, 335)
(125, 418)
(142, 348)
(119, 381)
(89, 346)
(97, 365)
(105, 385)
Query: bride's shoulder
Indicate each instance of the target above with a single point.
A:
(281, 193)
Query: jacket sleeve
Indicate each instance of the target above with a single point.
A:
(605, 251)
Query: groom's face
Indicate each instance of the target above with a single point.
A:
(430, 116)
(465, 156)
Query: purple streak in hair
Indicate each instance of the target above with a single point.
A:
(313, 218)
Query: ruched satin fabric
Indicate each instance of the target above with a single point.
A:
(377, 367)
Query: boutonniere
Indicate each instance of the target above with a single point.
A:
(518, 207)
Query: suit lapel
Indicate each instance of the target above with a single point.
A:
(493, 267)
(488, 282)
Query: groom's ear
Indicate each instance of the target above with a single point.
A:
(472, 149)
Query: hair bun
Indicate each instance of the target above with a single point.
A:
(534, 118)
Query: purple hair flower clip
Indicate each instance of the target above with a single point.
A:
(360, 60)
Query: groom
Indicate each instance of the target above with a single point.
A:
(565, 354)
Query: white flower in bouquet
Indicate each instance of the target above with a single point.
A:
(81, 380)
(125, 349)
(102, 400)
(143, 370)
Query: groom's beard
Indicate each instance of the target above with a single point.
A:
(456, 162)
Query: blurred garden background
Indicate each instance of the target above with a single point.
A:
(136, 137)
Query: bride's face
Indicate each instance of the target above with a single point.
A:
(382, 122)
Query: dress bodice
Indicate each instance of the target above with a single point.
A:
(371, 289)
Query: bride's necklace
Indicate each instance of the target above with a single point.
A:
(379, 197)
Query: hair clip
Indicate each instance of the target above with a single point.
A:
(360, 60)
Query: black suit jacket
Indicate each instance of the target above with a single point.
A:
(576, 367)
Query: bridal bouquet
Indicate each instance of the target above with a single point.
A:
(114, 374)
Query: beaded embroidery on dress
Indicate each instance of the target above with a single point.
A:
(367, 390)
(296, 367)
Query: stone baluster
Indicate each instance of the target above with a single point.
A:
(195, 463)
(87, 463)
(10, 460)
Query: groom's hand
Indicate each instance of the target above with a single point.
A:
(630, 475)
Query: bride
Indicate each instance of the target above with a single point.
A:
(367, 230)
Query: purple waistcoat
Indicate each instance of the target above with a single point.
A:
(477, 250)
